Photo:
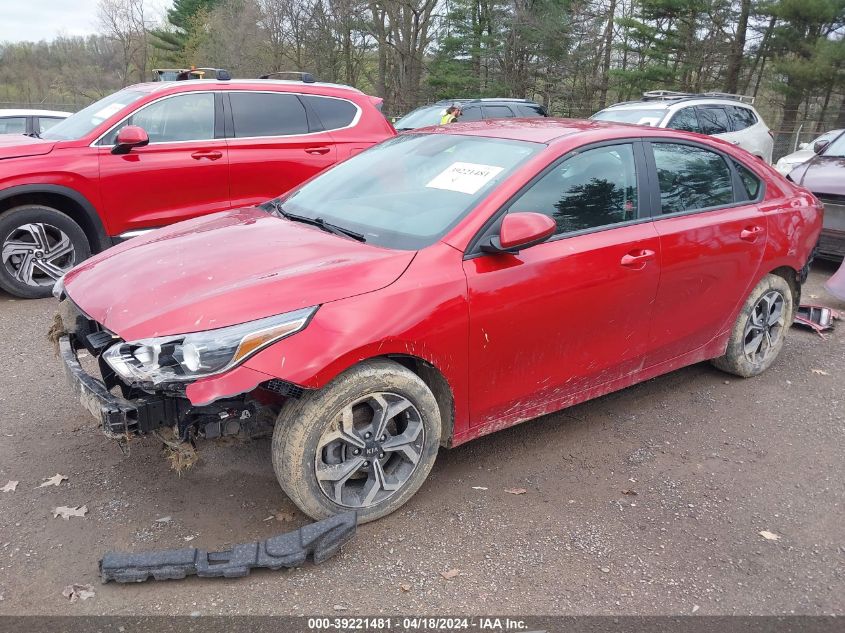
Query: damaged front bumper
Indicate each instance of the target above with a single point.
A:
(117, 417)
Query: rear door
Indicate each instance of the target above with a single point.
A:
(182, 173)
(571, 313)
(274, 143)
(712, 239)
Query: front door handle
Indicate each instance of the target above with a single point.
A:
(750, 233)
(637, 259)
(318, 150)
(210, 154)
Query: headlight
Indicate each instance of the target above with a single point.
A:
(189, 356)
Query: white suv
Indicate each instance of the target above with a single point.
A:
(730, 117)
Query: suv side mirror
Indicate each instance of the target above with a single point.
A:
(521, 230)
(129, 137)
(820, 146)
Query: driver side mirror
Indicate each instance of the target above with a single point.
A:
(521, 230)
(129, 137)
(820, 146)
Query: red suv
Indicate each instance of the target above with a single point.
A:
(157, 153)
(443, 285)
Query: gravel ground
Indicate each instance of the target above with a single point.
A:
(646, 501)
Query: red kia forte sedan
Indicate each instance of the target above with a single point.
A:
(437, 287)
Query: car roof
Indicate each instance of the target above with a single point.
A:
(216, 84)
(536, 130)
(27, 112)
(668, 103)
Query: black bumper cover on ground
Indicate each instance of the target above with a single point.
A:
(319, 541)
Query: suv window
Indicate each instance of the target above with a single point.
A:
(333, 113)
(46, 122)
(13, 125)
(741, 118)
(713, 119)
(470, 113)
(184, 117)
(595, 188)
(685, 120)
(267, 114)
(529, 110)
(497, 112)
(691, 178)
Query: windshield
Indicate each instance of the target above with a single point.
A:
(836, 148)
(407, 192)
(83, 122)
(644, 116)
(421, 117)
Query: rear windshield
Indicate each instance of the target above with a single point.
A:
(643, 116)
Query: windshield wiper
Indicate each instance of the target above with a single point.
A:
(318, 222)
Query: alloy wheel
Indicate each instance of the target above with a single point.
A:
(37, 254)
(370, 450)
(764, 327)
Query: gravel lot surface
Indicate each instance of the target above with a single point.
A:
(646, 501)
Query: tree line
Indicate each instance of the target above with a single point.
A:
(573, 56)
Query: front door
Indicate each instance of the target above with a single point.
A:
(712, 240)
(572, 313)
(182, 173)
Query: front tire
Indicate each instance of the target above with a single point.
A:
(758, 334)
(39, 245)
(364, 442)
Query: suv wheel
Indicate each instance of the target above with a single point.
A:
(758, 334)
(39, 245)
(364, 442)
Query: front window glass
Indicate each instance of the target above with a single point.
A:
(836, 147)
(86, 120)
(691, 178)
(407, 192)
(45, 123)
(595, 188)
(421, 117)
(184, 117)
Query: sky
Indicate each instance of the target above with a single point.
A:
(33, 20)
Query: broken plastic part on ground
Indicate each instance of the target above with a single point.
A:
(317, 541)
(817, 318)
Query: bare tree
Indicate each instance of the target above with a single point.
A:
(126, 22)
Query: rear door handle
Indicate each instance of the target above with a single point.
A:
(750, 233)
(637, 259)
(210, 154)
(318, 150)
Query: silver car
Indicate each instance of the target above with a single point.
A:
(729, 117)
(804, 153)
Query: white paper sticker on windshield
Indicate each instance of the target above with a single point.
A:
(464, 177)
(109, 110)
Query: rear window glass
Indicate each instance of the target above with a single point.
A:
(266, 114)
(713, 120)
(685, 120)
(640, 116)
(691, 178)
(750, 182)
(497, 112)
(333, 113)
(13, 125)
(526, 110)
(741, 118)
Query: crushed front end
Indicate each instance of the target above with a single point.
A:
(125, 404)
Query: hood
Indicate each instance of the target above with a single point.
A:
(18, 145)
(800, 156)
(224, 269)
(822, 175)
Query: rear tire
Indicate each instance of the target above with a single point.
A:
(758, 334)
(39, 244)
(333, 452)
